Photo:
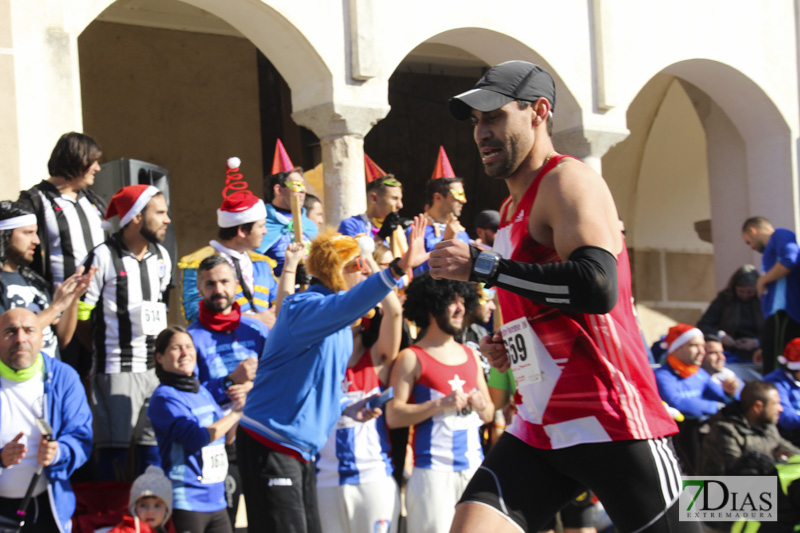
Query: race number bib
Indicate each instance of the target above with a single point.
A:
(459, 420)
(521, 348)
(153, 317)
(215, 464)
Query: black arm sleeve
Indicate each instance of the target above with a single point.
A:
(585, 283)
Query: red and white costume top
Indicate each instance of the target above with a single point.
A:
(590, 380)
(356, 452)
(448, 441)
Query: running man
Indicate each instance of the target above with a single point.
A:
(589, 413)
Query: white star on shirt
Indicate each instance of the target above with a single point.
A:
(456, 383)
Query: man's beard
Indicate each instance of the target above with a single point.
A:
(505, 167)
(151, 236)
(443, 321)
(20, 259)
(219, 304)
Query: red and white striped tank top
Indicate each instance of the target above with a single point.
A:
(593, 382)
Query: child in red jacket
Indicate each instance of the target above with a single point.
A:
(150, 504)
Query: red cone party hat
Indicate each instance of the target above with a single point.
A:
(281, 161)
(443, 168)
(372, 170)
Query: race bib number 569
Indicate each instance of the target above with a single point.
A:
(520, 347)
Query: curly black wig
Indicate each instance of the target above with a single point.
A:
(426, 295)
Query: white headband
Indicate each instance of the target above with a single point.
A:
(18, 222)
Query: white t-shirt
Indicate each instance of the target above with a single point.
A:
(21, 403)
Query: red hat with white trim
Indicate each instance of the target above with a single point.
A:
(678, 335)
(128, 202)
(239, 204)
(240, 208)
(791, 355)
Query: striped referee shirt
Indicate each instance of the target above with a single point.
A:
(117, 291)
(73, 228)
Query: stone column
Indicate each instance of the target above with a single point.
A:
(341, 129)
(46, 80)
(588, 145)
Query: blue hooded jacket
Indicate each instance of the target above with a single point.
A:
(69, 415)
(297, 395)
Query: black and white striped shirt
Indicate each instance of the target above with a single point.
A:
(120, 286)
(71, 229)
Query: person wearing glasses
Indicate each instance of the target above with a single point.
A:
(297, 394)
(285, 182)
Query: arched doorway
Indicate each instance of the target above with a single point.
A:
(707, 149)
(406, 142)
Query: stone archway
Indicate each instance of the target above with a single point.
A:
(707, 146)
(423, 78)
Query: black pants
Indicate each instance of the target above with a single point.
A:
(233, 484)
(638, 482)
(39, 517)
(280, 491)
(779, 329)
(196, 522)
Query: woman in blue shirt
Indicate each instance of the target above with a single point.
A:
(190, 429)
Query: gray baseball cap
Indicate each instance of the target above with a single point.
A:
(504, 83)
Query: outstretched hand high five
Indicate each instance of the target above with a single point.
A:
(416, 254)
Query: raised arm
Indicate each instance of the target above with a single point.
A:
(385, 349)
(294, 254)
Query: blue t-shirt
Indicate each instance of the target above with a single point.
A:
(180, 419)
(355, 225)
(219, 352)
(785, 293)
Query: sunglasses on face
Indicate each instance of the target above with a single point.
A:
(358, 261)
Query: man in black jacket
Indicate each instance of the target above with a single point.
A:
(749, 424)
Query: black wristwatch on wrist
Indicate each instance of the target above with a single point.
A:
(484, 268)
(395, 269)
(228, 383)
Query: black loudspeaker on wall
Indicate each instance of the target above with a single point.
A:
(122, 172)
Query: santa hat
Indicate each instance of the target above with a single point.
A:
(329, 252)
(239, 204)
(791, 355)
(127, 203)
(240, 208)
(442, 168)
(372, 170)
(678, 335)
(151, 483)
(281, 161)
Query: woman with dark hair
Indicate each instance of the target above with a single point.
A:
(69, 214)
(735, 315)
(190, 428)
(20, 286)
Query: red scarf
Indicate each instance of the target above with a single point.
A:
(217, 321)
(684, 370)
